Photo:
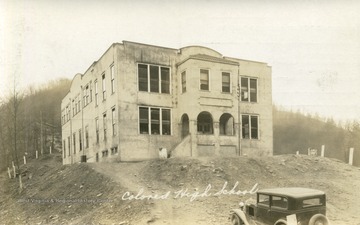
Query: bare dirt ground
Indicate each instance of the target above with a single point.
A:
(182, 191)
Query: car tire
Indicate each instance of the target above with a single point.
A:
(235, 220)
(319, 219)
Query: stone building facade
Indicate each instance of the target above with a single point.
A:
(193, 102)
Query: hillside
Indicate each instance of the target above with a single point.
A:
(298, 132)
(92, 193)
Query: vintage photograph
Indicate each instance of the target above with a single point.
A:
(180, 112)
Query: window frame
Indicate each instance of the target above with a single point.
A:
(208, 80)
(183, 81)
(113, 120)
(160, 82)
(222, 82)
(112, 76)
(250, 93)
(96, 93)
(97, 131)
(103, 78)
(250, 127)
(149, 121)
(105, 125)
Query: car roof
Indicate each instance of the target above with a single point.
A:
(295, 192)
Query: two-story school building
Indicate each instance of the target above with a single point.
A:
(194, 102)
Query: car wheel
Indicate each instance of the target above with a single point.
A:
(235, 220)
(319, 219)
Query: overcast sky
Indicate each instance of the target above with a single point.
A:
(313, 47)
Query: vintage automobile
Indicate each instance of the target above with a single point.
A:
(283, 206)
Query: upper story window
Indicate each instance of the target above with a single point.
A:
(152, 78)
(96, 93)
(183, 81)
(225, 82)
(112, 73)
(204, 80)
(86, 95)
(113, 121)
(248, 89)
(104, 86)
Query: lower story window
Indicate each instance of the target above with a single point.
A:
(155, 121)
(250, 126)
(114, 150)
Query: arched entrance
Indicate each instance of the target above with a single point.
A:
(227, 124)
(184, 125)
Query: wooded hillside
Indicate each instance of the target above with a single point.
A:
(294, 131)
(25, 115)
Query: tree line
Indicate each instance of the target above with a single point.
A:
(294, 131)
(30, 121)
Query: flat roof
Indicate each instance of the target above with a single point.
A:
(295, 192)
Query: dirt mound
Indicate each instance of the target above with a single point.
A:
(171, 191)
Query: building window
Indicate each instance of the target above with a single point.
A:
(112, 72)
(114, 150)
(104, 125)
(143, 77)
(80, 140)
(97, 129)
(144, 120)
(69, 145)
(158, 76)
(73, 108)
(113, 121)
(79, 103)
(74, 142)
(250, 127)
(204, 80)
(165, 80)
(160, 121)
(205, 123)
(87, 137)
(248, 89)
(225, 82)
(96, 93)
(183, 82)
(154, 79)
(64, 148)
(86, 95)
(76, 105)
(155, 121)
(104, 87)
(105, 153)
(165, 118)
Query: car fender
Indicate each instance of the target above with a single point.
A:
(280, 221)
(241, 214)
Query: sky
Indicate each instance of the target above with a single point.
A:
(313, 47)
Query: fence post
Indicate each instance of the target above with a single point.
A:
(9, 172)
(50, 150)
(37, 154)
(322, 150)
(24, 160)
(351, 156)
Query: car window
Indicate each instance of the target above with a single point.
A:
(312, 202)
(264, 200)
(280, 202)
